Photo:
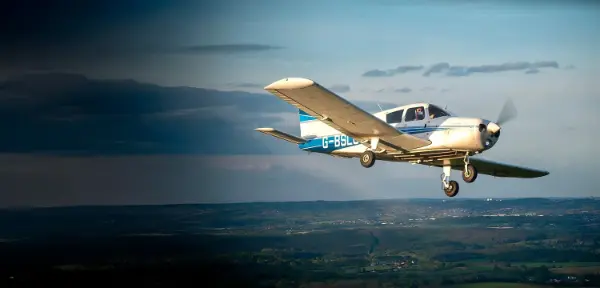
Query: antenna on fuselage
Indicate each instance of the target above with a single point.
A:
(380, 107)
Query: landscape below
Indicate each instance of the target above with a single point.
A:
(380, 243)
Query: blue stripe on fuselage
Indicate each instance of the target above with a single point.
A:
(327, 144)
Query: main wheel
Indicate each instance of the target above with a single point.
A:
(367, 159)
(452, 189)
(469, 174)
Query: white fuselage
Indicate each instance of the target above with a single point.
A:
(447, 133)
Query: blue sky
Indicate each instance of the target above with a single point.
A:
(335, 43)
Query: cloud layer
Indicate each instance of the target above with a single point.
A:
(71, 114)
(462, 70)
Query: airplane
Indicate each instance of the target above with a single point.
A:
(418, 133)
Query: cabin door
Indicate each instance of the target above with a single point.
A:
(416, 122)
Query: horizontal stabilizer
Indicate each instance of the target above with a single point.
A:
(281, 135)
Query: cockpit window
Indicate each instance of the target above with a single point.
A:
(415, 114)
(394, 117)
(436, 112)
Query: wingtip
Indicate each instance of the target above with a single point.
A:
(290, 83)
(265, 129)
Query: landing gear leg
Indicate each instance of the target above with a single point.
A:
(449, 187)
(469, 173)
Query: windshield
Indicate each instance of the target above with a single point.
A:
(437, 112)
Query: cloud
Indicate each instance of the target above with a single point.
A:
(225, 49)
(391, 72)
(395, 90)
(461, 70)
(403, 90)
(532, 71)
(469, 70)
(340, 88)
(68, 114)
(436, 68)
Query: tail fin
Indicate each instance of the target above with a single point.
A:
(304, 116)
(311, 127)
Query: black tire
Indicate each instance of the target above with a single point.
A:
(367, 159)
(452, 189)
(470, 174)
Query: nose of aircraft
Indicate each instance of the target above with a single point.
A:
(491, 135)
(493, 129)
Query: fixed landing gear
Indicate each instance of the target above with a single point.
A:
(449, 187)
(367, 159)
(469, 173)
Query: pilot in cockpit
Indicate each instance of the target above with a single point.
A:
(419, 113)
(431, 115)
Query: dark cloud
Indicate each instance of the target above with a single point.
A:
(532, 71)
(340, 88)
(71, 114)
(403, 90)
(225, 49)
(569, 67)
(458, 70)
(436, 68)
(391, 72)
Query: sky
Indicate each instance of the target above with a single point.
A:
(155, 102)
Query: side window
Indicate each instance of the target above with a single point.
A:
(394, 117)
(436, 112)
(415, 114)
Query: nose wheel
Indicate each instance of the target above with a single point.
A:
(452, 189)
(469, 174)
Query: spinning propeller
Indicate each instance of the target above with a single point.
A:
(508, 113)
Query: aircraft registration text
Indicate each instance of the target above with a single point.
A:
(338, 141)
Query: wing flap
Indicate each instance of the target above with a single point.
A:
(281, 135)
(340, 114)
(497, 169)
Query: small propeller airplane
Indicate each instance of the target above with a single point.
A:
(418, 133)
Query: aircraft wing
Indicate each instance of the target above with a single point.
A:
(497, 169)
(342, 115)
